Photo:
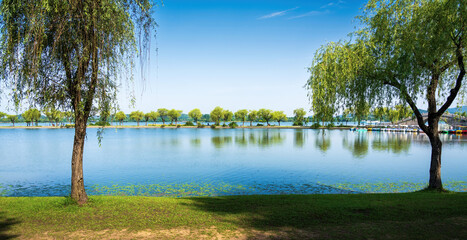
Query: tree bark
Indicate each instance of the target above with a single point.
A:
(77, 179)
(435, 166)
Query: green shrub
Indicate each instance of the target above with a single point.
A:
(163, 126)
(189, 123)
(200, 125)
(330, 125)
(224, 125)
(213, 126)
(69, 125)
(178, 125)
(297, 124)
(233, 125)
(259, 125)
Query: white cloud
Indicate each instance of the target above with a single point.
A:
(311, 13)
(333, 4)
(277, 14)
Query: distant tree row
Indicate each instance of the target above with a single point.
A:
(164, 115)
(217, 115)
(33, 115)
(391, 114)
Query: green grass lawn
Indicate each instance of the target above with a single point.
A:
(420, 215)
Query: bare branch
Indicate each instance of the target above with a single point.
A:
(460, 77)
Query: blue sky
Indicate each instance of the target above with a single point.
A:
(238, 54)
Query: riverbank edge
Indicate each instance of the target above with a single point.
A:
(419, 215)
(172, 127)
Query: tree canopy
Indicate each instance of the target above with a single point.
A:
(120, 116)
(279, 116)
(217, 114)
(137, 116)
(227, 115)
(252, 116)
(265, 114)
(299, 115)
(174, 115)
(241, 115)
(152, 115)
(163, 114)
(195, 114)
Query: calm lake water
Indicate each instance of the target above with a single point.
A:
(199, 162)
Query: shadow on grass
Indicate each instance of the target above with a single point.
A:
(305, 216)
(5, 225)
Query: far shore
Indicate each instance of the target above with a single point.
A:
(181, 126)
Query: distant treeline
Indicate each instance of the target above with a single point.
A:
(218, 115)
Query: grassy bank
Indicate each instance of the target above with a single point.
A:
(421, 215)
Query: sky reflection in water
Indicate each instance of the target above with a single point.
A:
(199, 162)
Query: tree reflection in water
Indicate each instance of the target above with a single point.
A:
(299, 140)
(394, 142)
(221, 141)
(323, 140)
(358, 145)
(264, 138)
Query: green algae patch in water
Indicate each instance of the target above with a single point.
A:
(397, 187)
(171, 190)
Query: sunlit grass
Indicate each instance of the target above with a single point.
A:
(327, 216)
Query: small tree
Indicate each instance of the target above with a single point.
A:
(163, 113)
(53, 115)
(227, 116)
(174, 115)
(195, 114)
(120, 116)
(137, 116)
(153, 116)
(252, 116)
(265, 114)
(13, 119)
(27, 117)
(279, 116)
(241, 115)
(146, 118)
(2, 115)
(217, 115)
(300, 115)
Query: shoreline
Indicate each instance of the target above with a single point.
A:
(171, 127)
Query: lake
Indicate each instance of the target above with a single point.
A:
(212, 162)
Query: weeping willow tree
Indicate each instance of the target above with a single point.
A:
(72, 54)
(406, 51)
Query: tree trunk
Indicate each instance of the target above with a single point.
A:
(78, 192)
(435, 166)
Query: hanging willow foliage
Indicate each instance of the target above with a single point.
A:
(404, 51)
(72, 55)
